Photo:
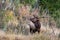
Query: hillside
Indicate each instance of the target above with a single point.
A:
(24, 19)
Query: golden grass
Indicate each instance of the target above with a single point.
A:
(43, 35)
(36, 36)
(23, 37)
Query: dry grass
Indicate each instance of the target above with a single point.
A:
(24, 37)
(36, 36)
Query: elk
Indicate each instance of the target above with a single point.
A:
(37, 24)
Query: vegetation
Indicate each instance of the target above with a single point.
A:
(13, 14)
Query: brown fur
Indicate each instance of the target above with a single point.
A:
(37, 24)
